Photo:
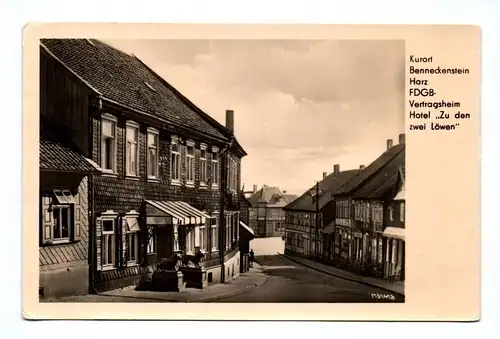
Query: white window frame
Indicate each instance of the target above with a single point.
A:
(177, 154)
(215, 167)
(402, 211)
(214, 232)
(203, 165)
(134, 234)
(152, 243)
(71, 223)
(104, 243)
(114, 121)
(130, 170)
(203, 237)
(155, 134)
(190, 240)
(190, 165)
(391, 214)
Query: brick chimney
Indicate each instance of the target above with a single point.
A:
(361, 166)
(254, 189)
(402, 138)
(230, 120)
(389, 143)
(324, 175)
(336, 169)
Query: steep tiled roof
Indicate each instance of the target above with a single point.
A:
(272, 196)
(371, 170)
(328, 185)
(384, 181)
(57, 154)
(124, 79)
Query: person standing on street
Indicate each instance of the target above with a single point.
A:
(251, 257)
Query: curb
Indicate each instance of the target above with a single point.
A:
(339, 276)
(235, 293)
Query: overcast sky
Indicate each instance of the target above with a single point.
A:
(300, 106)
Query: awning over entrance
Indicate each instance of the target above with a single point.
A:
(173, 212)
(247, 228)
(394, 232)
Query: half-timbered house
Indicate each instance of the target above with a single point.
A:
(307, 216)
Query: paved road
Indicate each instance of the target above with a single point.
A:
(291, 282)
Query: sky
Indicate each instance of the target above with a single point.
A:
(300, 106)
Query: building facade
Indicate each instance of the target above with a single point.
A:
(64, 216)
(170, 173)
(306, 217)
(266, 215)
(368, 232)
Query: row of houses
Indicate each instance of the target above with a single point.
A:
(354, 219)
(266, 214)
(131, 171)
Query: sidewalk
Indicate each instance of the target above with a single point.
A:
(251, 279)
(398, 287)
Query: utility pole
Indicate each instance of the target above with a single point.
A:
(317, 220)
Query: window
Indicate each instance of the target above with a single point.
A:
(215, 167)
(235, 176)
(203, 238)
(153, 137)
(232, 184)
(108, 242)
(132, 239)
(62, 222)
(190, 162)
(132, 149)
(58, 217)
(203, 165)
(402, 211)
(108, 144)
(214, 232)
(152, 240)
(175, 163)
(391, 216)
(190, 241)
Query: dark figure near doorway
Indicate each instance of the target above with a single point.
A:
(251, 257)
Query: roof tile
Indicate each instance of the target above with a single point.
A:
(123, 78)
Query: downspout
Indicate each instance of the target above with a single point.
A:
(92, 218)
(222, 219)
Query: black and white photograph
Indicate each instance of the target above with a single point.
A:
(222, 171)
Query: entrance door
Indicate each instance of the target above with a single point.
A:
(164, 242)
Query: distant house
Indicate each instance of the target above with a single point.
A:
(369, 222)
(303, 234)
(266, 216)
(171, 173)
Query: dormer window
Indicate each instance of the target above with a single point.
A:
(149, 86)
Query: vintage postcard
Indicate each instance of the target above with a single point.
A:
(251, 172)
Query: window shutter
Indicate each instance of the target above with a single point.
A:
(77, 222)
(47, 221)
(124, 241)
(98, 235)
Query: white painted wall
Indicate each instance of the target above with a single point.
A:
(267, 246)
